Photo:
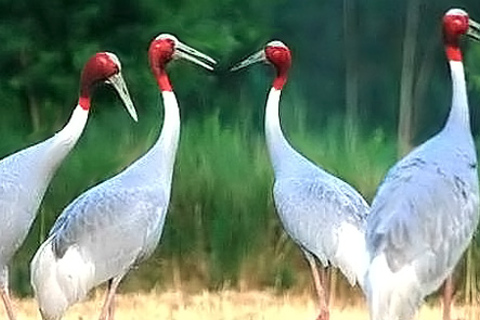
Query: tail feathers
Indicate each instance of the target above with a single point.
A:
(392, 295)
(352, 257)
(59, 283)
(351, 277)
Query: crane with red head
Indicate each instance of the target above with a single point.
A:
(117, 224)
(26, 174)
(321, 213)
(426, 210)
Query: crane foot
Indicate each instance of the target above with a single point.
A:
(324, 315)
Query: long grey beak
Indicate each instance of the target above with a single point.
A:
(254, 58)
(119, 84)
(473, 30)
(188, 53)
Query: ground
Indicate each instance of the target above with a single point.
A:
(224, 305)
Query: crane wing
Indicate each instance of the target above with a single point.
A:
(114, 226)
(15, 216)
(23, 180)
(422, 212)
(314, 212)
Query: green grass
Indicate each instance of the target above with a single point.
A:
(222, 229)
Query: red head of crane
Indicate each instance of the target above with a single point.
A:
(426, 210)
(25, 175)
(320, 212)
(117, 224)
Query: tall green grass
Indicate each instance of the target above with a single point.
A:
(221, 229)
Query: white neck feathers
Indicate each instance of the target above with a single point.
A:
(459, 113)
(171, 123)
(162, 155)
(281, 153)
(53, 151)
(74, 127)
(66, 138)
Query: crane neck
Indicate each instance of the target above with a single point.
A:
(282, 155)
(170, 133)
(61, 144)
(458, 118)
(281, 78)
(160, 158)
(84, 100)
(75, 125)
(452, 49)
(162, 78)
(69, 135)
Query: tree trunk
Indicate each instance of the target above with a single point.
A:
(351, 72)
(424, 77)
(33, 109)
(407, 78)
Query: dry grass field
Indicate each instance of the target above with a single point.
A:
(225, 305)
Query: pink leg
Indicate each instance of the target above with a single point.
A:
(108, 308)
(324, 312)
(447, 297)
(325, 280)
(111, 309)
(7, 302)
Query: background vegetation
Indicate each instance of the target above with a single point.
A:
(369, 80)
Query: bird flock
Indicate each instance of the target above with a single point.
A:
(398, 250)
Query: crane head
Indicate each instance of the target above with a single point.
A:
(165, 48)
(275, 52)
(457, 23)
(105, 67)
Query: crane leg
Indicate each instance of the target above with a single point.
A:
(319, 287)
(447, 297)
(111, 307)
(325, 280)
(7, 302)
(108, 308)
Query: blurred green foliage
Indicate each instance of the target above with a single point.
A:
(221, 228)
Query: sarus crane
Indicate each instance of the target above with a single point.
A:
(26, 174)
(323, 215)
(426, 210)
(115, 225)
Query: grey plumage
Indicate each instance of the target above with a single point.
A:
(426, 210)
(112, 227)
(323, 214)
(25, 175)
(117, 224)
(314, 206)
(422, 219)
(108, 229)
(430, 195)
(24, 178)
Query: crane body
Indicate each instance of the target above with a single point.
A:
(92, 241)
(321, 213)
(117, 224)
(324, 215)
(426, 210)
(26, 174)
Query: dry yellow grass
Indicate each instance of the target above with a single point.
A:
(225, 305)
